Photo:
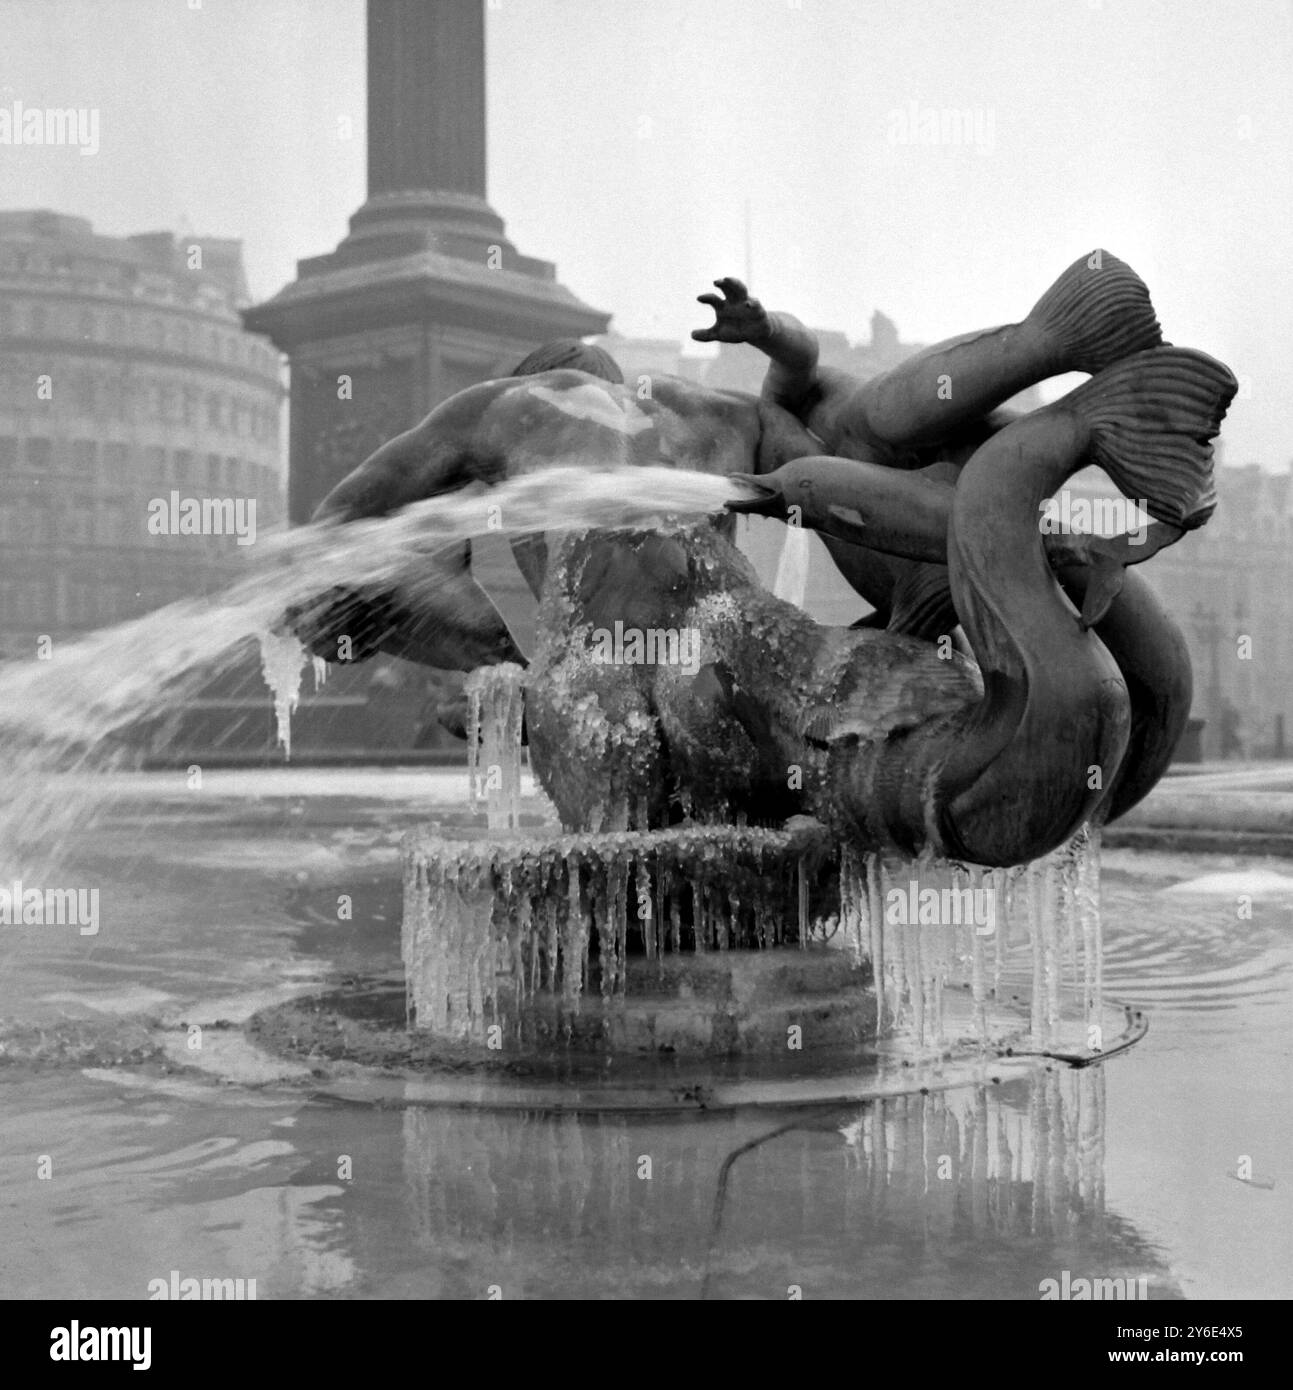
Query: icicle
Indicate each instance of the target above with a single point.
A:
(1052, 962)
(495, 710)
(1000, 881)
(549, 893)
(282, 663)
(603, 906)
(978, 984)
(1090, 925)
(320, 666)
(647, 910)
(916, 974)
(873, 872)
(620, 898)
(802, 884)
(574, 955)
(1035, 909)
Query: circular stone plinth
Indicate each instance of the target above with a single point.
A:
(355, 1046)
(721, 1004)
(789, 1004)
(620, 940)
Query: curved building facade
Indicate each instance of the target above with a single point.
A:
(126, 381)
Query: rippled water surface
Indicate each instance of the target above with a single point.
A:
(229, 895)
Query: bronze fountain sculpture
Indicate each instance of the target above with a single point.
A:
(774, 776)
(929, 500)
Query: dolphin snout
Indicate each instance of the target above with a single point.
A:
(766, 497)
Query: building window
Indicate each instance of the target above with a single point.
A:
(89, 327)
(213, 473)
(29, 602)
(84, 455)
(82, 392)
(34, 523)
(117, 404)
(156, 463)
(112, 523)
(190, 416)
(114, 460)
(78, 526)
(39, 453)
(183, 466)
(83, 601)
(8, 451)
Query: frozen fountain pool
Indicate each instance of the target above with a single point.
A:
(220, 903)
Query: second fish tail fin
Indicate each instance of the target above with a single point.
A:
(1152, 418)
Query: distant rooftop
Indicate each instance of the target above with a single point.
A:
(164, 251)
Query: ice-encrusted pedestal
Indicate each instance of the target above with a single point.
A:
(664, 940)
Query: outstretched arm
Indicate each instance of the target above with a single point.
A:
(791, 348)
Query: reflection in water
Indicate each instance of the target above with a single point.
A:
(968, 1156)
(853, 1202)
(159, 1172)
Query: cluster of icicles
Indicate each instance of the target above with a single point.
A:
(488, 924)
(980, 924)
(281, 658)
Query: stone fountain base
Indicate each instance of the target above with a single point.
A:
(779, 1011)
(694, 940)
(750, 995)
(734, 1003)
(700, 939)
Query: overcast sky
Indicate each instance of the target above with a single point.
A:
(627, 136)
